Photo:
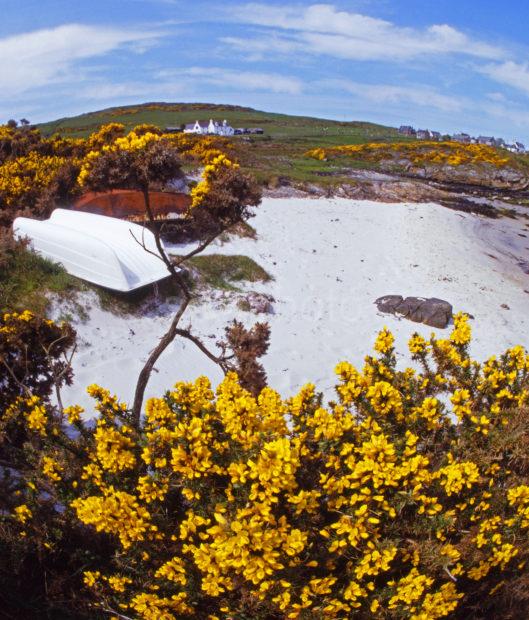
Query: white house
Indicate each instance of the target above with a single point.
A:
(213, 127)
(515, 147)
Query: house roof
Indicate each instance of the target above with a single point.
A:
(203, 124)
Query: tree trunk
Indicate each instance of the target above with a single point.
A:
(173, 331)
(146, 371)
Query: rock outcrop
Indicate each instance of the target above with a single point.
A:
(433, 312)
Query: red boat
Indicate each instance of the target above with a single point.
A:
(129, 204)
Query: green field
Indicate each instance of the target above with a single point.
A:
(276, 126)
(276, 155)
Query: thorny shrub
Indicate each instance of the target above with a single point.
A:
(407, 497)
(39, 173)
(419, 153)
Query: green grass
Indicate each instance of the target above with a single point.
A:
(279, 153)
(223, 272)
(277, 126)
(134, 302)
(26, 279)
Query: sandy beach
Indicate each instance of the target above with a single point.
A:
(330, 259)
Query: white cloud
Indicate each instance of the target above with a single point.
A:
(323, 29)
(389, 94)
(508, 113)
(495, 96)
(260, 49)
(509, 73)
(240, 80)
(119, 91)
(42, 57)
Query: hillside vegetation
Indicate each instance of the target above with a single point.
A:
(278, 153)
(302, 151)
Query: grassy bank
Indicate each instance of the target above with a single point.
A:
(27, 281)
(226, 272)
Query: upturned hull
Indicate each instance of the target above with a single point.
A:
(103, 250)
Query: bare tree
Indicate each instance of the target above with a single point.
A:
(230, 196)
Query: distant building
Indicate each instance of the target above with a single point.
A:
(200, 127)
(407, 130)
(238, 131)
(435, 135)
(487, 140)
(173, 129)
(515, 147)
(423, 134)
(500, 142)
(462, 137)
(213, 127)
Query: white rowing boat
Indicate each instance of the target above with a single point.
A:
(100, 249)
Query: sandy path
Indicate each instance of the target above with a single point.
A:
(330, 260)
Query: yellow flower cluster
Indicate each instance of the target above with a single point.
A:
(132, 142)
(419, 153)
(211, 170)
(23, 513)
(51, 469)
(113, 448)
(153, 607)
(384, 341)
(386, 503)
(32, 172)
(36, 415)
(115, 512)
(103, 143)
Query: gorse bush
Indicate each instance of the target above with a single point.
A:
(38, 173)
(408, 497)
(420, 153)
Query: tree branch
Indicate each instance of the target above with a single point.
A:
(173, 330)
(15, 378)
(199, 248)
(146, 371)
(221, 360)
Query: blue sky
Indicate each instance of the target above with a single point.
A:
(441, 64)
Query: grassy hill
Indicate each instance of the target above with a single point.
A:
(174, 114)
(278, 154)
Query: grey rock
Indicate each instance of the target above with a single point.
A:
(432, 312)
(410, 308)
(388, 303)
(260, 303)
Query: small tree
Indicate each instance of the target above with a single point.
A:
(145, 160)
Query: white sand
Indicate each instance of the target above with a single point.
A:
(330, 260)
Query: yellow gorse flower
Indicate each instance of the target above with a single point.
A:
(364, 505)
(419, 153)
